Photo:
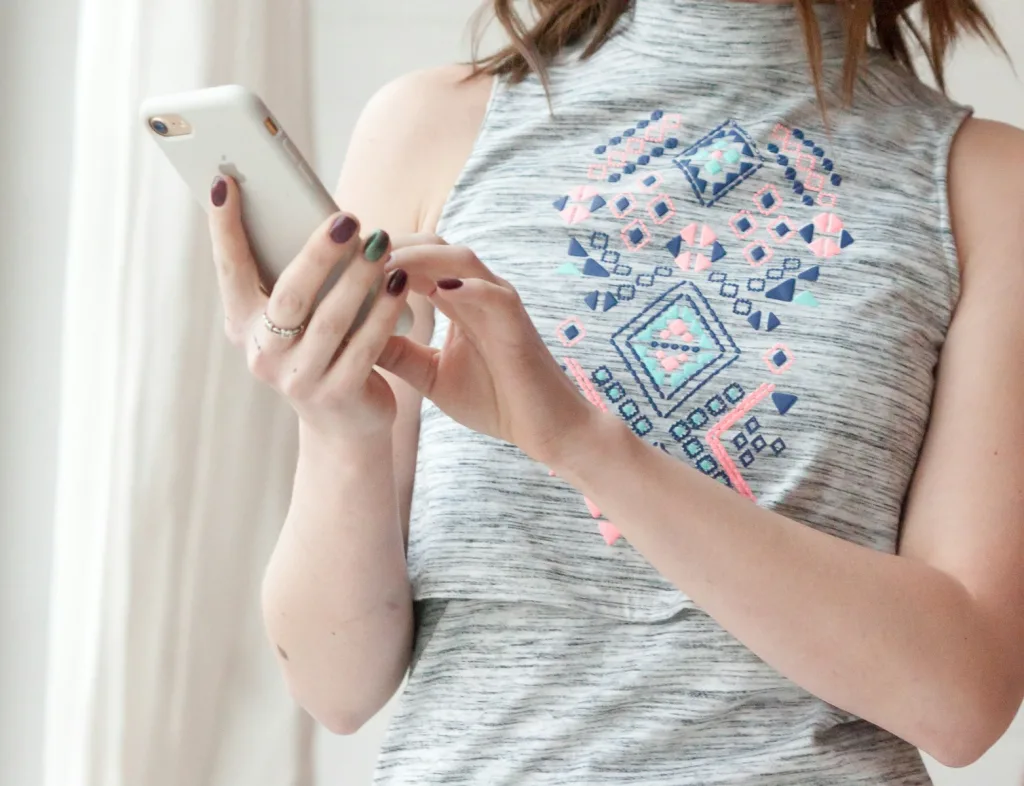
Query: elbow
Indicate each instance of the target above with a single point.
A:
(343, 714)
(974, 726)
(341, 724)
(338, 716)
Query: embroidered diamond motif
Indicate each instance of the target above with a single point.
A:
(719, 162)
(674, 347)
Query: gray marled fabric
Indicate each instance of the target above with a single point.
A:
(757, 296)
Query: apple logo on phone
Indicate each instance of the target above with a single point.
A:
(229, 169)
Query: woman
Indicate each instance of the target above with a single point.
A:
(676, 284)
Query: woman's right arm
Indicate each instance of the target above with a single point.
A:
(336, 597)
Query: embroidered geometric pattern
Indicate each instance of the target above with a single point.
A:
(719, 162)
(806, 166)
(672, 352)
(674, 347)
(636, 147)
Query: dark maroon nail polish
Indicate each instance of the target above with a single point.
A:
(219, 192)
(397, 281)
(449, 283)
(343, 229)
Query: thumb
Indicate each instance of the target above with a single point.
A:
(411, 362)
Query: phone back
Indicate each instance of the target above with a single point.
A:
(229, 130)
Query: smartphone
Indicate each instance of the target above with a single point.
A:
(229, 130)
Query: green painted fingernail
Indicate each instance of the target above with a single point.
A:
(376, 245)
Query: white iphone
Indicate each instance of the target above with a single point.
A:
(229, 130)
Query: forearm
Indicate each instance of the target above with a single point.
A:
(886, 638)
(336, 597)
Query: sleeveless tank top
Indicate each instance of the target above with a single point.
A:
(759, 294)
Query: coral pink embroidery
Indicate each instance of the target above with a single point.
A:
(779, 359)
(661, 209)
(617, 159)
(585, 384)
(828, 222)
(608, 531)
(768, 200)
(814, 182)
(826, 236)
(571, 332)
(635, 147)
(636, 235)
(806, 163)
(622, 204)
(758, 254)
(578, 212)
(743, 224)
(696, 260)
(714, 438)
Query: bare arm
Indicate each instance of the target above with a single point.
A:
(336, 596)
(926, 644)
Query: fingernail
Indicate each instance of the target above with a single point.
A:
(449, 283)
(219, 192)
(376, 245)
(343, 228)
(397, 281)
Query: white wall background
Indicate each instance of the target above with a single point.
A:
(357, 47)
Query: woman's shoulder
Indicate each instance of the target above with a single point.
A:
(420, 129)
(986, 196)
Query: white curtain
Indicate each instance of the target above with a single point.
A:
(174, 467)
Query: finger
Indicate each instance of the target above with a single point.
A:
(416, 239)
(440, 262)
(410, 361)
(237, 275)
(343, 306)
(327, 252)
(489, 313)
(368, 341)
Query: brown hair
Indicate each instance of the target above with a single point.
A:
(563, 23)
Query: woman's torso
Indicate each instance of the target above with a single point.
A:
(761, 298)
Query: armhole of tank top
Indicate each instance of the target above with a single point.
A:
(949, 128)
(460, 182)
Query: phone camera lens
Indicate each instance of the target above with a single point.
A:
(159, 126)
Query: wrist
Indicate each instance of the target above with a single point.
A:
(349, 448)
(599, 434)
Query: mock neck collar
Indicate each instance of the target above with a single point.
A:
(728, 32)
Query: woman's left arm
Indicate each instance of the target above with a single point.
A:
(927, 644)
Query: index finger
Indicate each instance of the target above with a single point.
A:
(237, 275)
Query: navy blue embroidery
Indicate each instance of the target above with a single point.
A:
(674, 347)
(783, 401)
(719, 162)
(806, 166)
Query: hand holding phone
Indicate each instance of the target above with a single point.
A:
(304, 293)
(318, 362)
(228, 130)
